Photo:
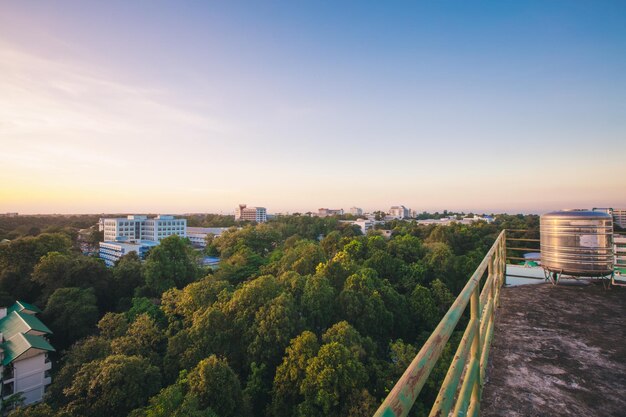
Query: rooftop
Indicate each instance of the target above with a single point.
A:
(558, 351)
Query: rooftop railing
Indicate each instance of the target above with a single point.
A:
(461, 389)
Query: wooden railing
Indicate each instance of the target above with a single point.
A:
(461, 389)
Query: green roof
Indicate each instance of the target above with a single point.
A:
(17, 322)
(22, 305)
(20, 343)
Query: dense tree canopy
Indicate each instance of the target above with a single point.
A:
(304, 317)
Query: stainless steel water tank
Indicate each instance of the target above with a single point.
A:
(577, 243)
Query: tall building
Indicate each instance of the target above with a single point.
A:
(24, 351)
(135, 228)
(356, 211)
(399, 212)
(254, 214)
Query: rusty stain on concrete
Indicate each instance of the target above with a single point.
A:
(558, 351)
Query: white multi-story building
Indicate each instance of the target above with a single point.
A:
(254, 214)
(136, 233)
(364, 224)
(24, 350)
(399, 212)
(197, 235)
(135, 228)
(111, 252)
(356, 211)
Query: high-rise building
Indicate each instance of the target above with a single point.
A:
(253, 214)
(25, 367)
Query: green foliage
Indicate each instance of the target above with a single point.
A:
(112, 386)
(71, 313)
(215, 385)
(187, 344)
(286, 391)
(173, 263)
(334, 374)
(127, 276)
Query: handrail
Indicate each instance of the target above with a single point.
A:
(470, 360)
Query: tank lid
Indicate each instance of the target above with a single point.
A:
(578, 214)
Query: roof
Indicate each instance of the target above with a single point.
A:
(20, 343)
(22, 305)
(17, 322)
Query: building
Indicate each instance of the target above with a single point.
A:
(324, 212)
(399, 212)
(136, 228)
(24, 352)
(364, 224)
(136, 233)
(253, 214)
(198, 235)
(619, 243)
(9, 214)
(619, 217)
(111, 252)
(356, 211)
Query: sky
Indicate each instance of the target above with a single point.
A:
(197, 106)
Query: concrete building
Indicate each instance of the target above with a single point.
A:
(399, 212)
(136, 228)
(197, 235)
(136, 233)
(24, 353)
(619, 217)
(324, 212)
(364, 224)
(356, 211)
(253, 214)
(111, 252)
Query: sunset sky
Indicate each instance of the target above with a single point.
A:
(193, 106)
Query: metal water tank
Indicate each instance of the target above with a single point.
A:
(577, 243)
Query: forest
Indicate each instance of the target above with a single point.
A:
(304, 316)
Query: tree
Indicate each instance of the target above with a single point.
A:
(113, 325)
(333, 375)
(170, 264)
(362, 304)
(86, 350)
(216, 386)
(112, 386)
(290, 374)
(318, 302)
(143, 338)
(71, 314)
(274, 325)
(424, 308)
(127, 276)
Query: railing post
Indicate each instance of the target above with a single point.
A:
(503, 260)
(474, 408)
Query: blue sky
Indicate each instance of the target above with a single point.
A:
(197, 106)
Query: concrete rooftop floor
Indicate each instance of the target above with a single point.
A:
(558, 351)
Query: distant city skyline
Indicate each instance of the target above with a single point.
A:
(149, 107)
